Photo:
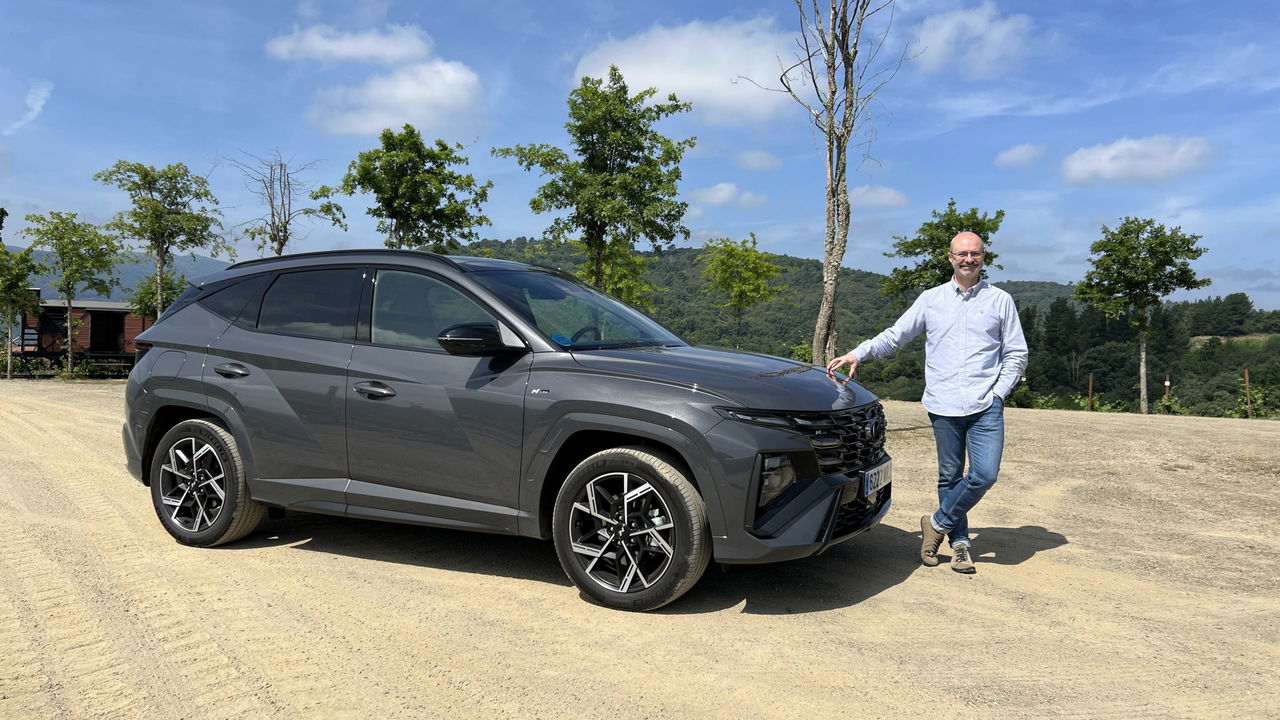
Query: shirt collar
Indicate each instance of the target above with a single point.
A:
(955, 287)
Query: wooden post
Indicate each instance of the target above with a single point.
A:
(1248, 398)
(1090, 392)
(1166, 387)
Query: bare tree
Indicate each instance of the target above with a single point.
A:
(278, 184)
(835, 78)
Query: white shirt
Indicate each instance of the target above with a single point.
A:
(974, 346)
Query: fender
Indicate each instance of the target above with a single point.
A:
(694, 451)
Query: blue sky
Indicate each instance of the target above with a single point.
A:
(1068, 116)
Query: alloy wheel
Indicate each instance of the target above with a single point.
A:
(622, 532)
(193, 484)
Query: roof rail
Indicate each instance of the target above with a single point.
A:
(350, 251)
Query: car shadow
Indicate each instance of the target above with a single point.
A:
(843, 576)
(456, 550)
(849, 573)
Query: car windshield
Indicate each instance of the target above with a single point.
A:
(573, 315)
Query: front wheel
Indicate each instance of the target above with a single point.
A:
(630, 529)
(198, 485)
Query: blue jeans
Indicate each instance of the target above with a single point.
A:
(982, 436)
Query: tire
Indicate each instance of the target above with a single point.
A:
(198, 486)
(634, 500)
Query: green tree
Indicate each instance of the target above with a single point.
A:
(930, 246)
(741, 274)
(618, 186)
(1134, 266)
(143, 297)
(81, 257)
(173, 211)
(420, 201)
(16, 298)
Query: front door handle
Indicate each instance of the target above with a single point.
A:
(231, 370)
(374, 390)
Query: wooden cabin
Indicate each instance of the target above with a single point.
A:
(104, 329)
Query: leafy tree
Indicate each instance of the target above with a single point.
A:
(1134, 266)
(81, 257)
(835, 78)
(16, 298)
(741, 274)
(618, 186)
(143, 297)
(420, 201)
(930, 246)
(173, 211)
(1236, 311)
(278, 184)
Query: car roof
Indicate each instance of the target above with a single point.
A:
(420, 258)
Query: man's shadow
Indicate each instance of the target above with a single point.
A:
(1011, 546)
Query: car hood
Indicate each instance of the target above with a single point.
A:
(761, 382)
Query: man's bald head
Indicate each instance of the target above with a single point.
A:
(966, 242)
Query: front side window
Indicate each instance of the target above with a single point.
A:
(411, 310)
(315, 303)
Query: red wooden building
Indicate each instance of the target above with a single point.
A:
(102, 329)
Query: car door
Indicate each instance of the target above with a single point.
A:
(432, 437)
(281, 369)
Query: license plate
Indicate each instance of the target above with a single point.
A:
(877, 477)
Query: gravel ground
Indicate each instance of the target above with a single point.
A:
(1126, 570)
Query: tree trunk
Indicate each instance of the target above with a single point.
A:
(159, 284)
(70, 336)
(8, 341)
(1142, 372)
(837, 238)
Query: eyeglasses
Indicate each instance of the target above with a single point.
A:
(974, 254)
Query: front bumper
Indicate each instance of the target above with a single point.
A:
(830, 511)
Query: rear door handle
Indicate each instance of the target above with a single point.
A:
(374, 390)
(231, 370)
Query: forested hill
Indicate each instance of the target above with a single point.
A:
(135, 268)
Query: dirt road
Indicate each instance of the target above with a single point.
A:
(1127, 568)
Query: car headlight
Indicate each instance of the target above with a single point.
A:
(776, 475)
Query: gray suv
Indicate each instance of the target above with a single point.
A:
(488, 395)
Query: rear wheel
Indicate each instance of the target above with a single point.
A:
(630, 529)
(198, 486)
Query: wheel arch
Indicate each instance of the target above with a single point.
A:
(162, 421)
(576, 438)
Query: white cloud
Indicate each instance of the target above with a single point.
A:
(757, 160)
(1250, 67)
(978, 41)
(1019, 155)
(399, 43)
(876, 196)
(701, 63)
(728, 194)
(37, 96)
(429, 95)
(1147, 160)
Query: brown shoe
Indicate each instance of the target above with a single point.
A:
(961, 560)
(930, 540)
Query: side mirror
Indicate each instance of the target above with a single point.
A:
(477, 338)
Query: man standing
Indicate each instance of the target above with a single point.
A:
(974, 354)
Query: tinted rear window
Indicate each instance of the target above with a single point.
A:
(317, 303)
(229, 301)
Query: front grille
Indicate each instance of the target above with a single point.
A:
(854, 514)
(844, 441)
